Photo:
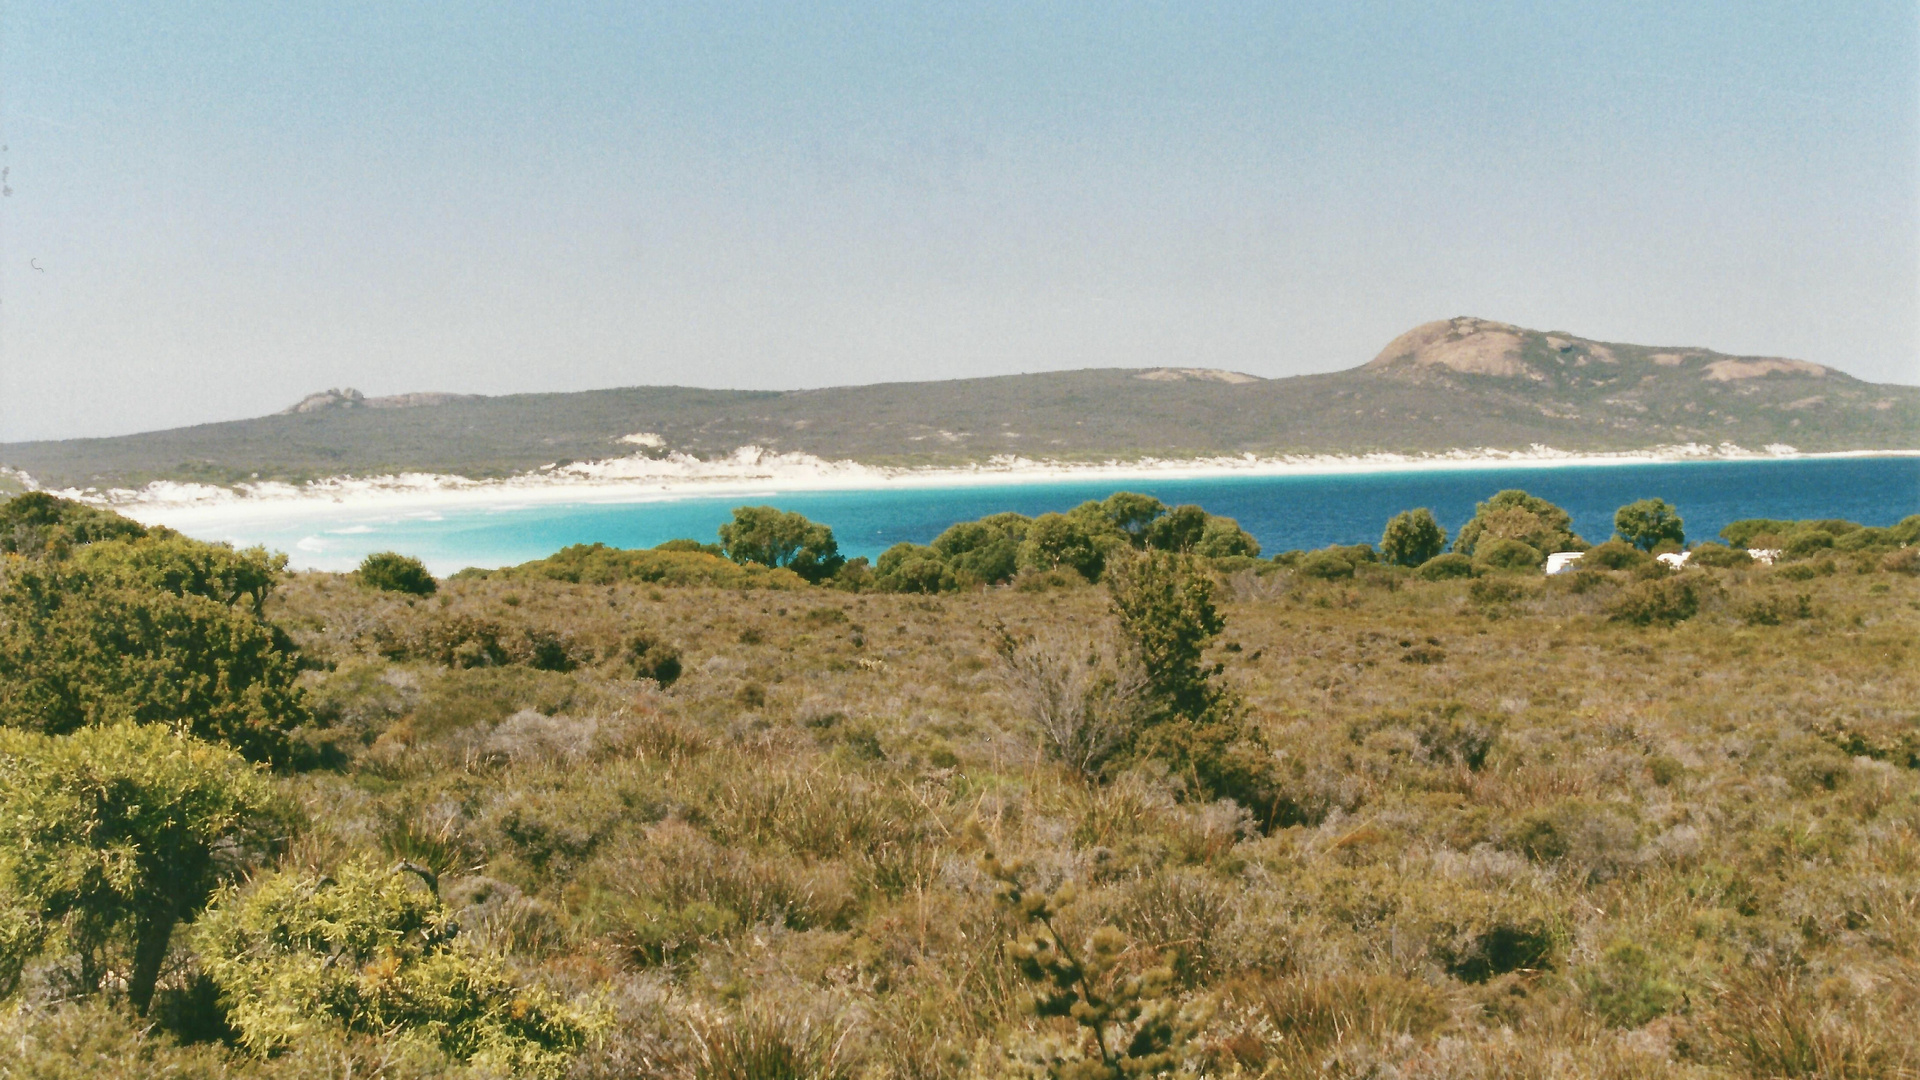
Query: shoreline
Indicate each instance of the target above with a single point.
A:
(752, 471)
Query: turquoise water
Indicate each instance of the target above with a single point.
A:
(1281, 511)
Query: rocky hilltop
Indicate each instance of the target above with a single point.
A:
(1470, 346)
(1460, 383)
(354, 399)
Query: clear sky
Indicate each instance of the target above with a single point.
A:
(232, 204)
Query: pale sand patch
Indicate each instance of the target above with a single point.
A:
(1198, 375)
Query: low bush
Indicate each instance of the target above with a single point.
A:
(653, 657)
(1495, 591)
(1325, 565)
(1507, 555)
(598, 564)
(1807, 542)
(1719, 556)
(390, 571)
(1904, 561)
(1776, 608)
(1086, 699)
(1657, 601)
(1628, 987)
(1443, 567)
(1596, 840)
(1615, 555)
(376, 953)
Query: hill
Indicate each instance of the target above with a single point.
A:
(1455, 383)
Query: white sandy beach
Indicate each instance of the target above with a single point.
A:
(194, 507)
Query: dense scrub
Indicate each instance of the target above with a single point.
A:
(1515, 829)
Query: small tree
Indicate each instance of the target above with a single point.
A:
(1180, 530)
(391, 571)
(912, 568)
(1192, 723)
(1516, 515)
(985, 551)
(1649, 523)
(1131, 513)
(376, 952)
(113, 836)
(1132, 1018)
(1224, 538)
(1164, 601)
(1060, 540)
(769, 537)
(1412, 537)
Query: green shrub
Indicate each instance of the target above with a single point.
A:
(669, 564)
(1597, 839)
(90, 1039)
(1132, 1021)
(1443, 567)
(1865, 538)
(983, 552)
(1806, 542)
(1058, 541)
(913, 568)
(1489, 590)
(1164, 604)
(1516, 515)
(391, 571)
(1326, 565)
(1743, 533)
(1776, 608)
(764, 536)
(1510, 555)
(125, 630)
(1223, 538)
(1648, 524)
(1412, 538)
(1134, 517)
(1627, 988)
(653, 657)
(1657, 601)
(36, 523)
(375, 952)
(113, 836)
(170, 563)
(1614, 555)
(1718, 556)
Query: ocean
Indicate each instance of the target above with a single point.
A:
(1296, 511)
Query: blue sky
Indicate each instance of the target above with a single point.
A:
(233, 204)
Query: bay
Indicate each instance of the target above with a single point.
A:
(1288, 511)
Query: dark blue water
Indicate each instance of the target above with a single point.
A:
(1281, 511)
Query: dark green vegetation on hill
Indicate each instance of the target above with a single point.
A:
(1462, 383)
(1622, 822)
